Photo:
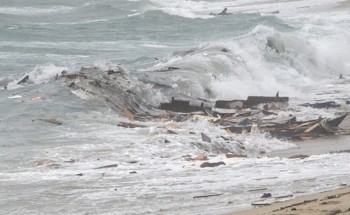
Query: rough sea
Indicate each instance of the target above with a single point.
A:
(296, 48)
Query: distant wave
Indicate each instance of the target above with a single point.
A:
(203, 9)
(154, 45)
(34, 10)
(100, 10)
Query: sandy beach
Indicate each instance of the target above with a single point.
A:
(328, 203)
(325, 203)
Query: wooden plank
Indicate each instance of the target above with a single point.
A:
(311, 128)
(206, 196)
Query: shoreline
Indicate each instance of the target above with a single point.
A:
(316, 146)
(324, 203)
(344, 4)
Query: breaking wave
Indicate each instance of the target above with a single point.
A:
(39, 75)
(262, 62)
(204, 9)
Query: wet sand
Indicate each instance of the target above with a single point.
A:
(344, 4)
(323, 145)
(325, 203)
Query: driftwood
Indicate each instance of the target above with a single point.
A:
(235, 156)
(107, 166)
(296, 204)
(52, 121)
(206, 196)
(130, 125)
(207, 164)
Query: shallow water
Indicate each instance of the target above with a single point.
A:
(299, 51)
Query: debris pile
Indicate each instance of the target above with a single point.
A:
(113, 88)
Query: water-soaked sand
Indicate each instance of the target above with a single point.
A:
(325, 203)
(324, 145)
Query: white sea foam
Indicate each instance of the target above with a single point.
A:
(34, 10)
(106, 65)
(40, 74)
(154, 45)
(203, 9)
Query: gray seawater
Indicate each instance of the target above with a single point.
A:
(311, 48)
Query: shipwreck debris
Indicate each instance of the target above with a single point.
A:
(128, 113)
(321, 105)
(256, 100)
(107, 166)
(171, 132)
(206, 196)
(266, 195)
(256, 114)
(201, 157)
(180, 106)
(222, 13)
(130, 125)
(52, 121)
(205, 138)
(235, 156)
(23, 80)
(215, 164)
(250, 102)
(299, 156)
(234, 104)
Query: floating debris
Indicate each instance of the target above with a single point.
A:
(266, 195)
(322, 105)
(107, 166)
(299, 156)
(207, 196)
(52, 121)
(14, 97)
(205, 138)
(45, 162)
(130, 125)
(23, 80)
(208, 164)
(36, 99)
(235, 156)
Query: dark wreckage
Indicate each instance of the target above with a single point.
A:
(126, 95)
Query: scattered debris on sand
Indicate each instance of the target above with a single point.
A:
(325, 203)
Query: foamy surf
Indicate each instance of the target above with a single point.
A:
(204, 9)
